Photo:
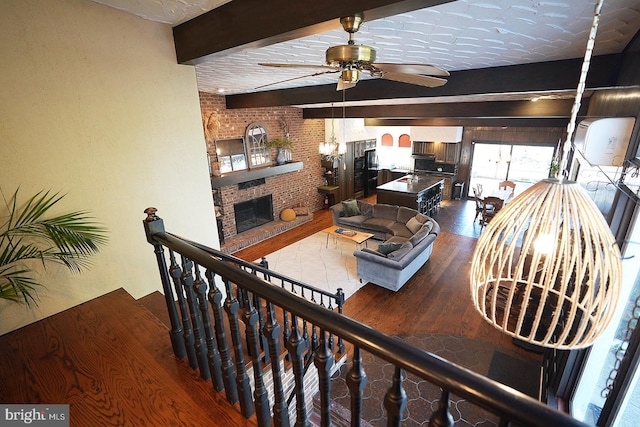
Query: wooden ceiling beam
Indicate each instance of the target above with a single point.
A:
(473, 122)
(239, 25)
(559, 108)
(537, 77)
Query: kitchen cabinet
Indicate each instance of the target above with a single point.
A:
(439, 160)
(439, 151)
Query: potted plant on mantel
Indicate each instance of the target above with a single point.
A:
(29, 238)
(280, 144)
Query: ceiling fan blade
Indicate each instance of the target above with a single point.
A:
(414, 79)
(426, 69)
(321, 67)
(342, 85)
(299, 77)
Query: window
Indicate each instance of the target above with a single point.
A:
(522, 164)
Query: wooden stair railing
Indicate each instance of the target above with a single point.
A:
(230, 289)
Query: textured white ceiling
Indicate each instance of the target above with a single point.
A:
(172, 12)
(465, 34)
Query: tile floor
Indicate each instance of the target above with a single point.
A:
(422, 396)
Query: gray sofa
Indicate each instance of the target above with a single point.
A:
(407, 240)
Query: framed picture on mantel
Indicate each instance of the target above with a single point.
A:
(231, 154)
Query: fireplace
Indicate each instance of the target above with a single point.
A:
(253, 213)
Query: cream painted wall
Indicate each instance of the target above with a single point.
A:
(94, 105)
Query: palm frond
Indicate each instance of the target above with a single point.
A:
(17, 285)
(28, 234)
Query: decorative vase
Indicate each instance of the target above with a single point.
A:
(280, 157)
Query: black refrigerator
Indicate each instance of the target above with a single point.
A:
(370, 172)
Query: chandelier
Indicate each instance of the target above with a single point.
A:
(330, 150)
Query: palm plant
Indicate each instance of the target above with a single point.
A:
(28, 238)
(285, 143)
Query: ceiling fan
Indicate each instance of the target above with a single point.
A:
(350, 60)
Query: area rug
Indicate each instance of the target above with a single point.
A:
(316, 263)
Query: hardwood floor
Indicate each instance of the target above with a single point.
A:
(111, 359)
(436, 299)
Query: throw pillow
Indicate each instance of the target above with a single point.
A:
(413, 225)
(427, 226)
(350, 207)
(366, 209)
(402, 251)
(387, 248)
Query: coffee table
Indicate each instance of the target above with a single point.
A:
(359, 238)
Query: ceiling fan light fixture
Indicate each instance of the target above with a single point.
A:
(350, 54)
(350, 59)
(350, 76)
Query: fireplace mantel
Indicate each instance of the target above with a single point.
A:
(251, 174)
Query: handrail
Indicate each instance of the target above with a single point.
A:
(516, 406)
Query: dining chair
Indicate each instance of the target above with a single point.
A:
(479, 203)
(492, 206)
(507, 184)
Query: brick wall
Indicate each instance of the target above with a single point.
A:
(288, 190)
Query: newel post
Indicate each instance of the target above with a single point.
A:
(153, 225)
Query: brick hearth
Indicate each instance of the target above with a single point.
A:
(258, 234)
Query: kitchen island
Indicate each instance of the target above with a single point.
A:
(420, 192)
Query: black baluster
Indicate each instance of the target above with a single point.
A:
(340, 303)
(324, 362)
(271, 330)
(176, 272)
(307, 341)
(441, 417)
(213, 355)
(314, 338)
(228, 371)
(297, 347)
(356, 381)
(232, 306)
(395, 401)
(286, 331)
(263, 340)
(196, 320)
(154, 224)
(261, 397)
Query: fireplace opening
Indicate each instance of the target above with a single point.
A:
(253, 213)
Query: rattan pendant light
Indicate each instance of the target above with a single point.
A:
(547, 269)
